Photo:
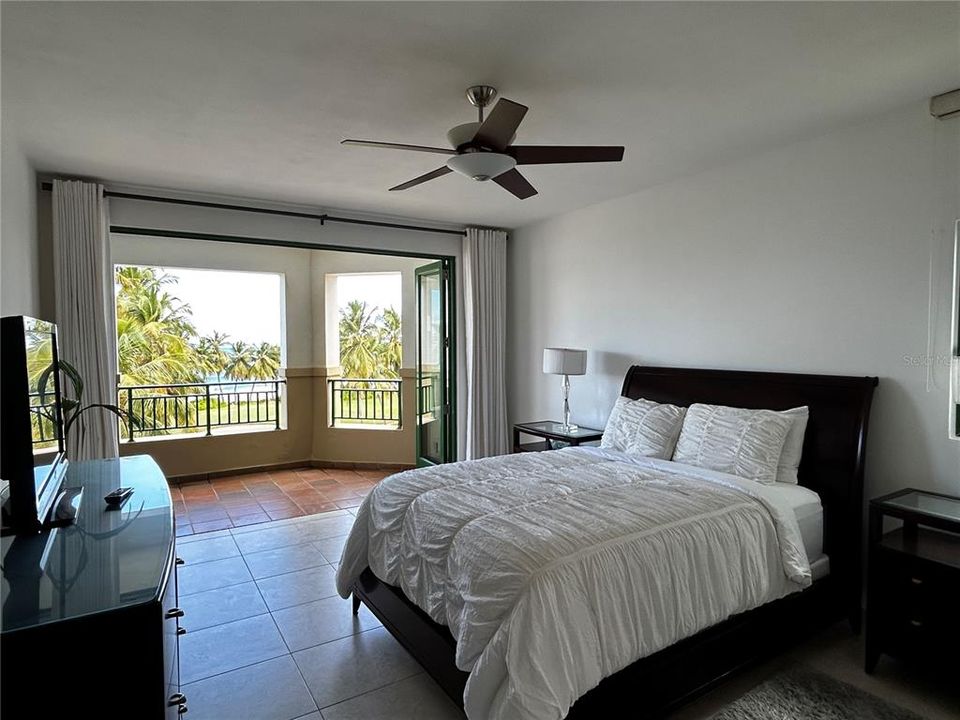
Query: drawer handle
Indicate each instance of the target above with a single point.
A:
(179, 561)
(182, 710)
(177, 699)
(181, 631)
(916, 581)
(174, 613)
(917, 623)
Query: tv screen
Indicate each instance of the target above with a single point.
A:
(32, 456)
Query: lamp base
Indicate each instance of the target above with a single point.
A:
(569, 427)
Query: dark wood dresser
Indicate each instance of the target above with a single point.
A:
(913, 583)
(90, 623)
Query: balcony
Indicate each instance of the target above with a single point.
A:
(163, 410)
(357, 403)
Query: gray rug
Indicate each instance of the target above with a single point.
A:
(803, 694)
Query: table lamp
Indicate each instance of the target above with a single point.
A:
(566, 362)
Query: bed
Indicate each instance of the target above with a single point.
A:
(548, 630)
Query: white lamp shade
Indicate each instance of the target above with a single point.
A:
(564, 361)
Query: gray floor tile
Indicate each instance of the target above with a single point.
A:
(312, 716)
(326, 527)
(283, 560)
(189, 539)
(295, 588)
(331, 548)
(217, 548)
(415, 698)
(318, 622)
(286, 521)
(271, 690)
(209, 575)
(228, 647)
(222, 605)
(270, 538)
(342, 669)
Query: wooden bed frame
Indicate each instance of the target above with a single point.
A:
(832, 465)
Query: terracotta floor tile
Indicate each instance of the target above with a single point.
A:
(283, 514)
(295, 481)
(191, 492)
(348, 503)
(236, 511)
(339, 493)
(242, 494)
(269, 505)
(339, 474)
(265, 490)
(184, 529)
(210, 526)
(251, 519)
(323, 482)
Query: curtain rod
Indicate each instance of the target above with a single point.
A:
(323, 218)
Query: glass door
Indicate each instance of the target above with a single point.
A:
(436, 369)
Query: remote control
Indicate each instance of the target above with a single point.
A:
(118, 496)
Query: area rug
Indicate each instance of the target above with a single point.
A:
(803, 694)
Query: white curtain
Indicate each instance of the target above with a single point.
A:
(485, 308)
(85, 315)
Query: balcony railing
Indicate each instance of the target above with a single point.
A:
(41, 419)
(199, 407)
(365, 402)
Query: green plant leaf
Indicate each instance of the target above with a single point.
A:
(71, 372)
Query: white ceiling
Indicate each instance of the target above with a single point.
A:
(252, 99)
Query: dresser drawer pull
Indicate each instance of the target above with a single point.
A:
(181, 631)
(916, 623)
(177, 699)
(916, 581)
(182, 710)
(179, 561)
(174, 613)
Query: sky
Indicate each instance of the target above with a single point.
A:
(244, 305)
(380, 289)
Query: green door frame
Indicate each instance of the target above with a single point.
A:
(448, 360)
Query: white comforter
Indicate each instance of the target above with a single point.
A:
(554, 570)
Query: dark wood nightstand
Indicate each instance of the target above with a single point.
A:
(913, 581)
(553, 434)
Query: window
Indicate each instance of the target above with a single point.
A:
(368, 346)
(198, 351)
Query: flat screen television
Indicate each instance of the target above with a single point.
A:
(32, 450)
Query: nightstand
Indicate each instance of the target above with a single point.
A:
(553, 436)
(913, 580)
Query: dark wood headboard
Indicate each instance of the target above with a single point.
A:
(833, 448)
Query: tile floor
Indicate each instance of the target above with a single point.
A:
(269, 639)
(241, 500)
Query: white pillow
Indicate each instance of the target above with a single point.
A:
(643, 427)
(793, 445)
(742, 442)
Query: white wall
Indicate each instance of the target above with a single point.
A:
(19, 250)
(815, 257)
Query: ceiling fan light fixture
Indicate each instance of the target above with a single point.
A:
(481, 165)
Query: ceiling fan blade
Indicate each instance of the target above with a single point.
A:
(399, 146)
(545, 154)
(439, 172)
(501, 125)
(514, 182)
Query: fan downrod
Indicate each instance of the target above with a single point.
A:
(480, 96)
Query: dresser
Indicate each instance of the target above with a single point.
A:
(913, 580)
(90, 624)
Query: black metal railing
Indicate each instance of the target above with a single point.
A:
(42, 426)
(196, 407)
(427, 396)
(365, 402)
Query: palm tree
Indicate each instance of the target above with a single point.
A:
(212, 355)
(264, 361)
(358, 341)
(389, 347)
(238, 366)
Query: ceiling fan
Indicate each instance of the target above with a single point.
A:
(482, 150)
